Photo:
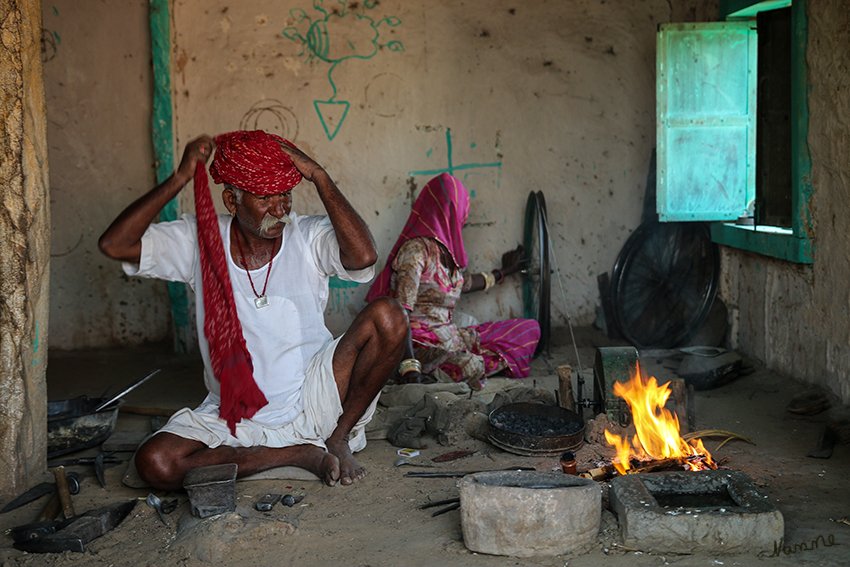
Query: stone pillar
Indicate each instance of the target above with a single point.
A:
(24, 247)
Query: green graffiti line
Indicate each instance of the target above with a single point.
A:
(35, 346)
(453, 169)
(337, 36)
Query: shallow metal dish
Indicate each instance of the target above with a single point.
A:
(73, 424)
(536, 445)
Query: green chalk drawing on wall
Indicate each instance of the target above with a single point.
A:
(35, 346)
(336, 37)
(335, 283)
(455, 170)
(339, 293)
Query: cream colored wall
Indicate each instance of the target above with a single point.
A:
(555, 96)
(98, 87)
(797, 318)
(551, 96)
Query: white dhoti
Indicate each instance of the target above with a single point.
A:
(316, 422)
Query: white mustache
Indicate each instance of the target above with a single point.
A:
(270, 221)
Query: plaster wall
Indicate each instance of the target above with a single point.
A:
(557, 96)
(794, 318)
(98, 82)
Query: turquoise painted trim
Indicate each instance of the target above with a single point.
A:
(783, 246)
(800, 245)
(163, 146)
(801, 166)
(163, 143)
(734, 9)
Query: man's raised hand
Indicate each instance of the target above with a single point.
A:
(198, 150)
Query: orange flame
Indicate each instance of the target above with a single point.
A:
(657, 429)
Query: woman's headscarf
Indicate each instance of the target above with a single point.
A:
(254, 162)
(439, 212)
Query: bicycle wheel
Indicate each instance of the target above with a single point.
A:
(664, 283)
(537, 275)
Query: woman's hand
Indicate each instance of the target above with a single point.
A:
(513, 260)
(412, 377)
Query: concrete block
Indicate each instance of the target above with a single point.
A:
(715, 512)
(527, 513)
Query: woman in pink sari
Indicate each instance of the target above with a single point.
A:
(424, 271)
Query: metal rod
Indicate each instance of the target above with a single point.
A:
(127, 390)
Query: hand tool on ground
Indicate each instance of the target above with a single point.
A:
(168, 506)
(64, 493)
(81, 461)
(402, 462)
(40, 490)
(98, 470)
(127, 390)
(448, 474)
(292, 499)
(267, 502)
(453, 456)
(71, 534)
(454, 505)
(154, 502)
(97, 461)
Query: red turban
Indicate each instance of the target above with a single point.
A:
(254, 162)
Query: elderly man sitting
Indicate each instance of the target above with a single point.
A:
(282, 390)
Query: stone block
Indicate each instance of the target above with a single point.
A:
(527, 513)
(717, 512)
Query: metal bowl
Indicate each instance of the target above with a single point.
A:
(73, 424)
(536, 445)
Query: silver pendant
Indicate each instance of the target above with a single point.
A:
(261, 302)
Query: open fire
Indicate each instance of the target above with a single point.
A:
(657, 436)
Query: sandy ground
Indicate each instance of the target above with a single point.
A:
(378, 522)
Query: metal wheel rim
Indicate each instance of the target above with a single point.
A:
(537, 273)
(669, 271)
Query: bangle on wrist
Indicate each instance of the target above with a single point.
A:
(409, 365)
(501, 276)
(489, 280)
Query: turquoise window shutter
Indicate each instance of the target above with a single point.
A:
(706, 123)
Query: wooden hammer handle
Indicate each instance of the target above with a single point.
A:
(64, 493)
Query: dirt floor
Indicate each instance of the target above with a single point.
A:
(377, 522)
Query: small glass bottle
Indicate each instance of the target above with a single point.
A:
(568, 462)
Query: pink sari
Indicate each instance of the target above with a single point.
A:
(429, 291)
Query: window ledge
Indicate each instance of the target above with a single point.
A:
(768, 240)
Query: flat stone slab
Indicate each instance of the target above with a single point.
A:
(528, 513)
(717, 511)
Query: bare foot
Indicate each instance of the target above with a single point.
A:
(318, 461)
(350, 470)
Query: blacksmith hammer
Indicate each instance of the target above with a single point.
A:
(43, 489)
(64, 493)
(71, 534)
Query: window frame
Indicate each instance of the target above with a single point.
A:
(797, 244)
